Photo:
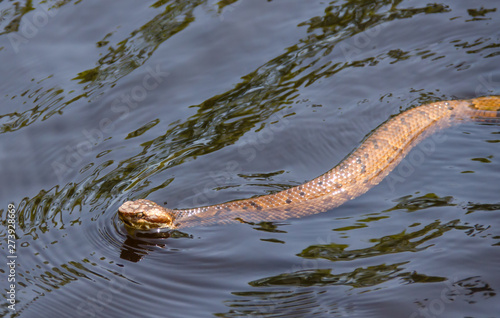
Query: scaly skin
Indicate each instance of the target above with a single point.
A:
(365, 167)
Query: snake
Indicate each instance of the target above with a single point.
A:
(366, 166)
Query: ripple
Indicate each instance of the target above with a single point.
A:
(109, 233)
(234, 101)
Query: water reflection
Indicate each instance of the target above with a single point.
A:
(76, 219)
(221, 120)
(359, 277)
(324, 299)
(303, 64)
(430, 200)
(139, 244)
(129, 54)
(303, 290)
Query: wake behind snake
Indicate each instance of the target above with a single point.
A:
(362, 169)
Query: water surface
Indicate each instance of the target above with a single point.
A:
(189, 103)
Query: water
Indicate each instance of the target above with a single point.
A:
(194, 102)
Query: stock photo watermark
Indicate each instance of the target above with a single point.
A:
(228, 9)
(30, 26)
(93, 306)
(355, 45)
(122, 106)
(437, 306)
(3, 14)
(486, 85)
(408, 166)
(249, 150)
(11, 257)
(306, 265)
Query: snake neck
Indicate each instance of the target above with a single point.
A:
(354, 175)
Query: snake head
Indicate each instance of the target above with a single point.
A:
(145, 215)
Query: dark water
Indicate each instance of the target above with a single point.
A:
(196, 102)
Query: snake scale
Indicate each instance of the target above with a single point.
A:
(362, 169)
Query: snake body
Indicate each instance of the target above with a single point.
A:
(362, 169)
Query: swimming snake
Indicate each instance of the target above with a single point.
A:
(362, 169)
